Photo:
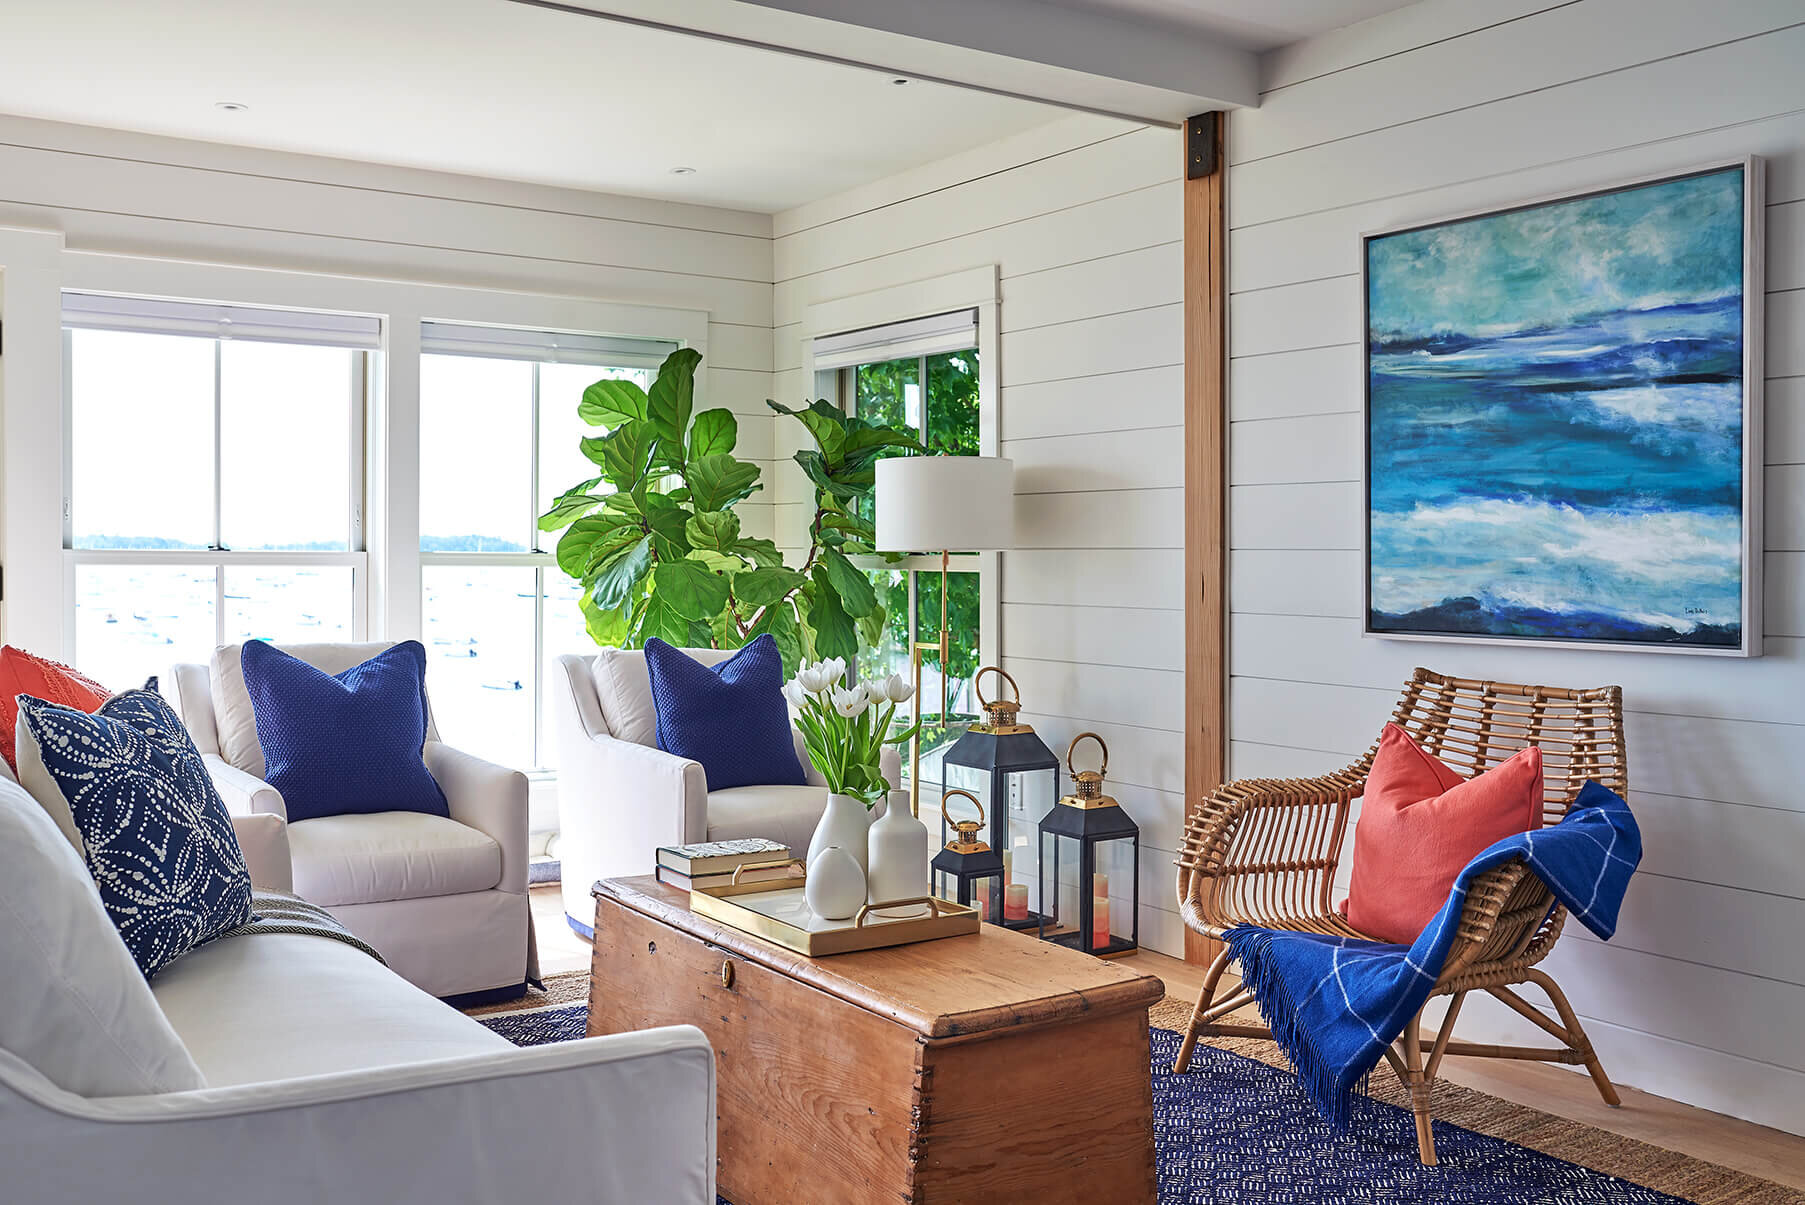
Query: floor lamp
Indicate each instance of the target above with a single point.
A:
(942, 504)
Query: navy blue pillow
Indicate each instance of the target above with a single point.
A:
(156, 835)
(730, 717)
(346, 743)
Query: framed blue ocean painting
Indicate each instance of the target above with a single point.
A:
(1563, 411)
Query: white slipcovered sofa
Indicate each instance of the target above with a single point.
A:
(444, 900)
(287, 1068)
(620, 796)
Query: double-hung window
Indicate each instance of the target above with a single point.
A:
(499, 440)
(214, 461)
(922, 375)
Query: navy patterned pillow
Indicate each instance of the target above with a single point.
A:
(154, 832)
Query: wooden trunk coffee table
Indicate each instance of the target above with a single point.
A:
(990, 1067)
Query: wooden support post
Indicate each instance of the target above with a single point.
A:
(1206, 487)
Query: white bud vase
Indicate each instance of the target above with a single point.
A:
(836, 886)
(843, 823)
(897, 865)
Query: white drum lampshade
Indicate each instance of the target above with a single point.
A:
(945, 504)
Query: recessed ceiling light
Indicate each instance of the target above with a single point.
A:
(231, 106)
(683, 171)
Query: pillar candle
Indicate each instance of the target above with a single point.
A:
(1008, 868)
(1099, 885)
(1100, 923)
(1015, 901)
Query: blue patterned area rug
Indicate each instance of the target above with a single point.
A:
(1237, 1131)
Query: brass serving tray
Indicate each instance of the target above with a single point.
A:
(781, 915)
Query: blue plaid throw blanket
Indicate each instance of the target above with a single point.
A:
(1335, 1003)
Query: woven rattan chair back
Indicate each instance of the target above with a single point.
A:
(1474, 726)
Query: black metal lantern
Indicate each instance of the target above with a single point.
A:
(1090, 863)
(1015, 779)
(968, 868)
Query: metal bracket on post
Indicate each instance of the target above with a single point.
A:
(1200, 145)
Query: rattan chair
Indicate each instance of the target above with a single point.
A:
(1264, 852)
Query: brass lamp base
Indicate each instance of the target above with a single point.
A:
(916, 648)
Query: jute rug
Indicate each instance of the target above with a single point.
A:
(1261, 1164)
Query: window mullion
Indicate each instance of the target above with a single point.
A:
(532, 497)
(921, 398)
(218, 444)
(359, 418)
(538, 667)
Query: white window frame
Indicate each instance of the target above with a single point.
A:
(894, 322)
(217, 557)
(37, 267)
(479, 345)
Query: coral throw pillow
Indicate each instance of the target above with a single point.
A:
(1421, 823)
(23, 674)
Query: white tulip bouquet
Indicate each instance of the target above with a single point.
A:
(845, 729)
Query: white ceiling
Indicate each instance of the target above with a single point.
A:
(490, 88)
(1256, 25)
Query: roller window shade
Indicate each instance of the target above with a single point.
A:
(100, 311)
(542, 347)
(898, 340)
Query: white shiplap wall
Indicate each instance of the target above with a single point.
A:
(134, 194)
(1440, 109)
(1082, 219)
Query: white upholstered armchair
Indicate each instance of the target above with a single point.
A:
(444, 900)
(620, 797)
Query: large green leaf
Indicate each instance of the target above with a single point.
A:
(825, 421)
(610, 403)
(714, 433)
(568, 507)
(610, 629)
(763, 587)
(815, 465)
(780, 623)
(624, 453)
(662, 620)
(714, 530)
(760, 552)
(673, 395)
(690, 589)
(616, 572)
(577, 547)
(853, 525)
(857, 597)
(835, 635)
(863, 440)
(871, 628)
(717, 482)
(669, 522)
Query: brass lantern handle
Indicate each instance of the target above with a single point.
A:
(944, 795)
(999, 671)
(1102, 770)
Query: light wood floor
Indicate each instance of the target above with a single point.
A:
(1750, 1148)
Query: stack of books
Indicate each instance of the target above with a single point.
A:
(713, 863)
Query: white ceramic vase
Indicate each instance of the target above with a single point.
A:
(844, 823)
(897, 861)
(836, 885)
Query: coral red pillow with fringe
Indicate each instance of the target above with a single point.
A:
(1421, 823)
(23, 674)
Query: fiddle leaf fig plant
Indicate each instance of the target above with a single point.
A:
(660, 552)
